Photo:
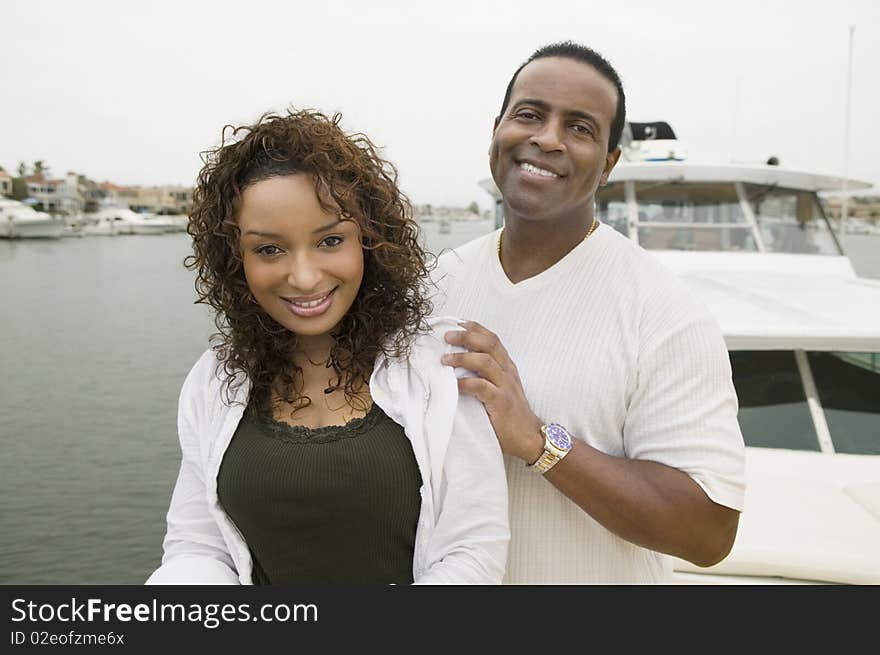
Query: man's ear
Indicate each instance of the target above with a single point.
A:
(494, 127)
(610, 161)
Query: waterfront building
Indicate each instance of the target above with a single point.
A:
(161, 199)
(5, 184)
(59, 196)
(863, 207)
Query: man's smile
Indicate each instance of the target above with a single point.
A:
(535, 168)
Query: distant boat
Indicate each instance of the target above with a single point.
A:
(176, 222)
(111, 221)
(102, 226)
(20, 221)
(152, 224)
(861, 226)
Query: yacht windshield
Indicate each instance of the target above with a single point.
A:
(790, 220)
(717, 216)
(692, 216)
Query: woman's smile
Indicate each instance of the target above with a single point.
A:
(310, 307)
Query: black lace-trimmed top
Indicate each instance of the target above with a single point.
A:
(337, 504)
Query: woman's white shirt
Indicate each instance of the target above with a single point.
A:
(462, 533)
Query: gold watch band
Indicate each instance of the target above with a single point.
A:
(545, 462)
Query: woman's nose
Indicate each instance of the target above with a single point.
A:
(303, 275)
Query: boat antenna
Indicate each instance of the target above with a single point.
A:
(845, 209)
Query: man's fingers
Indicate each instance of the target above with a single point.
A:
(482, 364)
(473, 326)
(479, 388)
(481, 341)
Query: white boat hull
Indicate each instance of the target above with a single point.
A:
(103, 229)
(146, 228)
(32, 229)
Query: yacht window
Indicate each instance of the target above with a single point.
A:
(677, 202)
(849, 389)
(611, 207)
(692, 216)
(773, 411)
(790, 220)
(667, 237)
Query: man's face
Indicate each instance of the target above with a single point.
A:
(549, 150)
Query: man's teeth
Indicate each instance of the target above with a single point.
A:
(311, 303)
(537, 171)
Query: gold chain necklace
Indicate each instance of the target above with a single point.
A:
(593, 226)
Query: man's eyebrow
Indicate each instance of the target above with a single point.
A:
(531, 101)
(541, 104)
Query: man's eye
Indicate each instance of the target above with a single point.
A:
(332, 241)
(268, 250)
(582, 129)
(527, 114)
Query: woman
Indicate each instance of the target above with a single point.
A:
(322, 440)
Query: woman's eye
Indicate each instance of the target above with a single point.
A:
(331, 241)
(268, 250)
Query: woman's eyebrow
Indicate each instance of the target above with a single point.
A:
(328, 227)
(269, 235)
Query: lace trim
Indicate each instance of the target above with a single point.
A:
(325, 434)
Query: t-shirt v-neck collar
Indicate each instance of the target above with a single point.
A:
(548, 275)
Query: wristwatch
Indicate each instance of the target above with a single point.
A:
(557, 444)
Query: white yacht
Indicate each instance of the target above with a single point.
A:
(103, 225)
(803, 332)
(20, 221)
(155, 224)
(111, 221)
(176, 222)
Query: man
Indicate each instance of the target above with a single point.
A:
(579, 335)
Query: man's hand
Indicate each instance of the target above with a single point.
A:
(499, 388)
(648, 503)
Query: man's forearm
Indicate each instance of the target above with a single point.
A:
(650, 504)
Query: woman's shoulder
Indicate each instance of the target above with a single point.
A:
(209, 374)
(433, 340)
(429, 345)
(207, 366)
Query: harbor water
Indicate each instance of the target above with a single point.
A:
(97, 335)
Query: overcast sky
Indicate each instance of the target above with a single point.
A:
(132, 92)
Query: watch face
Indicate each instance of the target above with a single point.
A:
(558, 436)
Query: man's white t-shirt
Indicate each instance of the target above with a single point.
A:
(611, 345)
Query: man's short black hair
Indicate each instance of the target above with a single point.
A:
(585, 55)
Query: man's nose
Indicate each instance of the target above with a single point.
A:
(548, 136)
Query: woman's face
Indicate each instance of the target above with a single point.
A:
(303, 264)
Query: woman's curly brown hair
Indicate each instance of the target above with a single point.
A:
(392, 304)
